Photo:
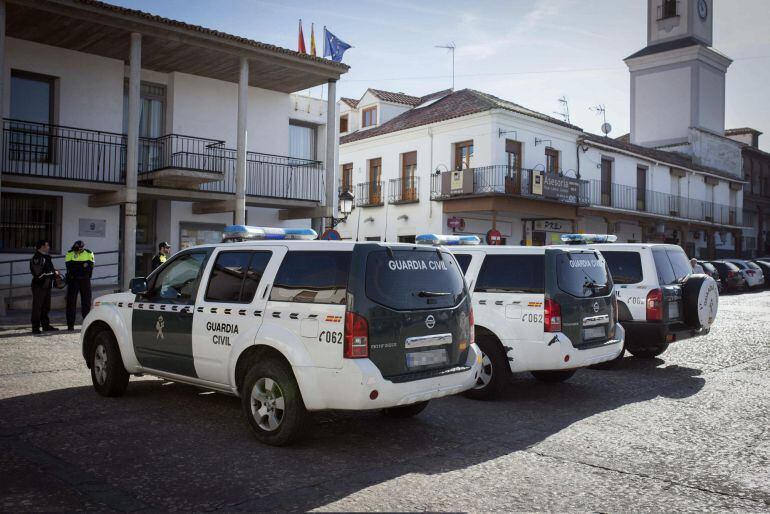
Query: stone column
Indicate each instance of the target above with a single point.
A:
(240, 166)
(331, 137)
(132, 160)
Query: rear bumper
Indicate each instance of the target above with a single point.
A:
(642, 334)
(350, 387)
(561, 354)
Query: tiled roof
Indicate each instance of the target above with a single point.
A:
(350, 101)
(674, 158)
(203, 30)
(454, 105)
(625, 138)
(742, 130)
(399, 98)
(433, 96)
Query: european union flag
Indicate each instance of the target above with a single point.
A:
(334, 47)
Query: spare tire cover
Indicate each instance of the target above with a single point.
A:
(700, 301)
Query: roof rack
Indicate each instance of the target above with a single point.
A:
(235, 233)
(446, 239)
(586, 239)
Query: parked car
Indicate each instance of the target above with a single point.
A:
(660, 300)
(293, 326)
(751, 272)
(711, 271)
(765, 267)
(731, 276)
(545, 310)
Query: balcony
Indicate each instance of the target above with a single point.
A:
(627, 198)
(369, 194)
(171, 161)
(404, 190)
(508, 181)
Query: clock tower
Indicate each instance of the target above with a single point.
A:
(677, 80)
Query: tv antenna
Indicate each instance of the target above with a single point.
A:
(451, 47)
(564, 113)
(601, 110)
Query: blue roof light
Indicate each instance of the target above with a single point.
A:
(447, 240)
(586, 239)
(234, 233)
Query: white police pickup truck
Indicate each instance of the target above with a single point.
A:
(546, 310)
(291, 326)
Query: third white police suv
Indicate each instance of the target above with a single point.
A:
(546, 310)
(293, 326)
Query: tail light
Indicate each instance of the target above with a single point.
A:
(552, 318)
(654, 305)
(473, 329)
(615, 313)
(356, 336)
(750, 272)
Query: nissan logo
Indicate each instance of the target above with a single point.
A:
(430, 321)
(596, 306)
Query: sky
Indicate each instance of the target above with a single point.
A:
(531, 52)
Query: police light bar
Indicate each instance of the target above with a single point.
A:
(448, 240)
(586, 239)
(233, 233)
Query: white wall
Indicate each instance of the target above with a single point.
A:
(661, 105)
(711, 100)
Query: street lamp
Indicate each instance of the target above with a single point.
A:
(345, 207)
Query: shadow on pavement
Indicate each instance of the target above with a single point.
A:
(171, 446)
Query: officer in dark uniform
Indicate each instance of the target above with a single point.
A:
(80, 266)
(43, 275)
(163, 250)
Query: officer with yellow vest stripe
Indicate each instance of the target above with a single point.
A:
(80, 266)
(163, 250)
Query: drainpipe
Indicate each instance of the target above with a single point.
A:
(242, 139)
(132, 161)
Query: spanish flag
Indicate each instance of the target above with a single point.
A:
(301, 43)
(312, 40)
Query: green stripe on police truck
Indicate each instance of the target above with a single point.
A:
(163, 340)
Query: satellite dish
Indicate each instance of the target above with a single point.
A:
(606, 128)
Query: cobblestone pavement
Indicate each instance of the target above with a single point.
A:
(689, 431)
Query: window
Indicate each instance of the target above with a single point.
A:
(26, 219)
(404, 282)
(606, 182)
(236, 275)
(551, 160)
(464, 260)
(375, 176)
(512, 274)
(312, 277)
(343, 123)
(406, 239)
(178, 280)
(641, 188)
(679, 263)
(669, 9)
(582, 274)
(409, 176)
(302, 141)
(32, 101)
(347, 177)
(513, 154)
(666, 275)
(152, 105)
(194, 234)
(374, 238)
(464, 155)
(369, 117)
(625, 267)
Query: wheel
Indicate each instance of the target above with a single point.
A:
(273, 404)
(553, 375)
(614, 362)
(648, 352)
(108, 375)
(406, 411)
(494, 370)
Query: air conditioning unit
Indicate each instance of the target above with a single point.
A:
(458, 182)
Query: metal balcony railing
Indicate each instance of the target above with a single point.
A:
(619, 196)
(370, 194)
(175, 151)
(506, 180)
(404, 190)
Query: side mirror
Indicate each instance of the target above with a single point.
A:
(138, 285)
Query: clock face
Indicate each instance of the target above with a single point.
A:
(703, 9)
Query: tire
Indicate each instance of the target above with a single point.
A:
(649, 352)
(495, 371)
(108, 374)
(272, 403)
(700, 301)
(613, 363)
(553, 375)
(406, 411)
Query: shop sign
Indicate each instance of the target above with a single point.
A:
(456, 223)
(331, 235)
(494, 237)
(537, 182)
(564, 189)
(552, 226)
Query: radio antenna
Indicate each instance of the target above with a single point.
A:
(564, 113)
(601, 110)
(451, 47)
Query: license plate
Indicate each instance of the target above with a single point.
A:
(673, 310)
(426, 358)
(593, 333)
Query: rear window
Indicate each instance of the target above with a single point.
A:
(413, 279)
(679, 263)
(512, 274)
(625, 267)
(312, 277)
(236, 275)
(666, 274)
(464, 260)
(582, 274)
(708, 267)
(752, 265)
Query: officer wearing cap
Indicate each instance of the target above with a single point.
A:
(163, 250)
(80, 266)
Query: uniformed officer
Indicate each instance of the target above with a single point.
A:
(43, 275)
(80, 266)
(163, 250)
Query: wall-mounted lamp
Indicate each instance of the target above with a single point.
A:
(501, 133)
(369, 220)
(403, 217)
(539, 141)
(345, 208)
(437, 171)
